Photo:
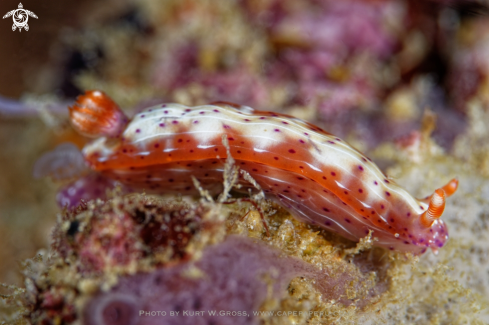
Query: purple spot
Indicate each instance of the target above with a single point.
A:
(277, 130)
(262, 118)
(375, 182)
(142, 115)
(333, 174)
(195, 122)
(202, 113)
(283, 122)
(157, 145)
(175, 122)
(164, 105)
(332, 142)
(226, 126)
(387, 193)
(360, 190)
(305, 133)
(327, 223)
(276, 158)
(347, 220)
(291, 150)
(162, 124)
(166, 112)
(188, 110)
(138, 130)
(247, 120)
(216, 111)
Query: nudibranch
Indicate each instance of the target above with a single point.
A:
(319, 177)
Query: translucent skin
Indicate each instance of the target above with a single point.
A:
(316, 175)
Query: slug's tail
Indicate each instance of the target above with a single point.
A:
(437, 202)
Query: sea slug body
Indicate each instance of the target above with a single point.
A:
(317, 176)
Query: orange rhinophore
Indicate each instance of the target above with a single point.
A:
(96, 115)
(437, 202)
(435, 209)
(451, 187)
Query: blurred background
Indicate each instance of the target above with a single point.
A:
(366, 70)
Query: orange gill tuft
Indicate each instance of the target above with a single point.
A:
(95, 114)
